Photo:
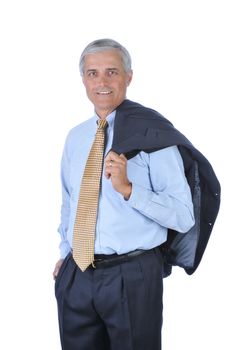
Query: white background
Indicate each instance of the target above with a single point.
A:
(181, 53)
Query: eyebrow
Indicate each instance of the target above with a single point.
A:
(116, 69)
(91, 70)
(94, 69)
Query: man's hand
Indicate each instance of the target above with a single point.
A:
(57, 268)
(116, 170)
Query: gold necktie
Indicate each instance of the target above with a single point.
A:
(86, 215)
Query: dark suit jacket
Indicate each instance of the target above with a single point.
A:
(138, 128)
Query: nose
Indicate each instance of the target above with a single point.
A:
(102, 79)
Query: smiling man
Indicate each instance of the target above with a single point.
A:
(105, 80)
(115, 215)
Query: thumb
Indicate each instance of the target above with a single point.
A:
(122, 156)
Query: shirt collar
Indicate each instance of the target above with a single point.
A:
(110, 119)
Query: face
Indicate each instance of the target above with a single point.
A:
(105, 80)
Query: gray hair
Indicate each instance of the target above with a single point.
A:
(104, 45)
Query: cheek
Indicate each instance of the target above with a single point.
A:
(89, 86)
(122, 88)
(89, 91)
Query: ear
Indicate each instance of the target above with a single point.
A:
(129, 77)
(83, 79)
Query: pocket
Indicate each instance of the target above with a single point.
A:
(62, 269)
(132, 272)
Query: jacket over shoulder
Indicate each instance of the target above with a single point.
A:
(138, 128)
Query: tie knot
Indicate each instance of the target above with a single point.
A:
(102, 123)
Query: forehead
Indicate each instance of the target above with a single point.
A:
(103, 59)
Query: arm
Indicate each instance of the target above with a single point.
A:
(65, 207)
(65, 211)
(169, 201)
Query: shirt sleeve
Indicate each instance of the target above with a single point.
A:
(169, 201)
(65, 207)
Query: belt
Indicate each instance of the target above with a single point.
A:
(102, 261)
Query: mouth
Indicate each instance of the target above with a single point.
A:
(104, 93)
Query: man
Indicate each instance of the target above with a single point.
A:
(116, 301)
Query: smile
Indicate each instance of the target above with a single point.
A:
(104, 92)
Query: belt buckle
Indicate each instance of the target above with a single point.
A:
(93, 265)
(95, 261)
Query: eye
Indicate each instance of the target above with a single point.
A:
(112, 72)
(91, 74)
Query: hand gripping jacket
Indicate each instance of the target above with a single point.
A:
(138, 128)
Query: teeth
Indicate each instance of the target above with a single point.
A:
(104, 92)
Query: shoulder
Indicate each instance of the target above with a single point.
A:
(81, 129)
(78, 134)
(133, 114)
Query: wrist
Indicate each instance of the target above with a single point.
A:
(127, 191)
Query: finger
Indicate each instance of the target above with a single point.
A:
(110, 163)
(55, 273)
(122, 156)
(112, 156)
(57, 268)
(113, 170)
(107, 174)
(107, 171)
(115, 162)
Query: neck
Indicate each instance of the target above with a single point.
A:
(103, 114)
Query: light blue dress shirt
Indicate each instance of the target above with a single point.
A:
(160, 197)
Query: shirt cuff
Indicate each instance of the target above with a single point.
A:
(64, 249)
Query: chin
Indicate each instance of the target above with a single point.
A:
(105, 106)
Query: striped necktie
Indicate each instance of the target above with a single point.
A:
(86, 215)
